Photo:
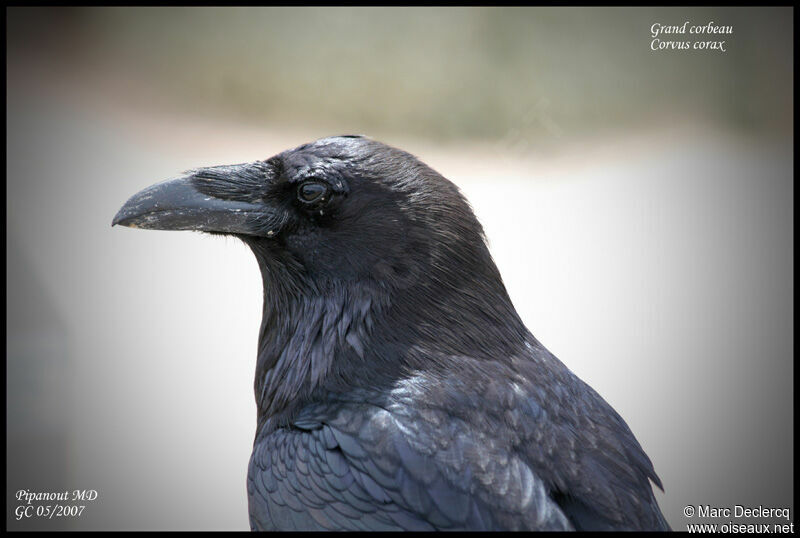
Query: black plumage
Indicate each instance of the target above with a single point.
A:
(397, 388)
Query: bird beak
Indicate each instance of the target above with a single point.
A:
(177, 204)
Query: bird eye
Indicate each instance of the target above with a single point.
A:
(312, 191)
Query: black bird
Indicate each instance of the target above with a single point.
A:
(397, 388)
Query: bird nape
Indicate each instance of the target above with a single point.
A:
(396, 386)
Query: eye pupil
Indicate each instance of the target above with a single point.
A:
(312, 192)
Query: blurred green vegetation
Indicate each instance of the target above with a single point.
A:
(445, 73)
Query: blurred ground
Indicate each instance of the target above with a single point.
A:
(646, 238)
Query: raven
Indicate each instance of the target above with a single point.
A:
(396, 386)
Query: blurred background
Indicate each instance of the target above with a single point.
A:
(638, 203)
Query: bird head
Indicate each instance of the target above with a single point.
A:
(340, 210)
(355, 234)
